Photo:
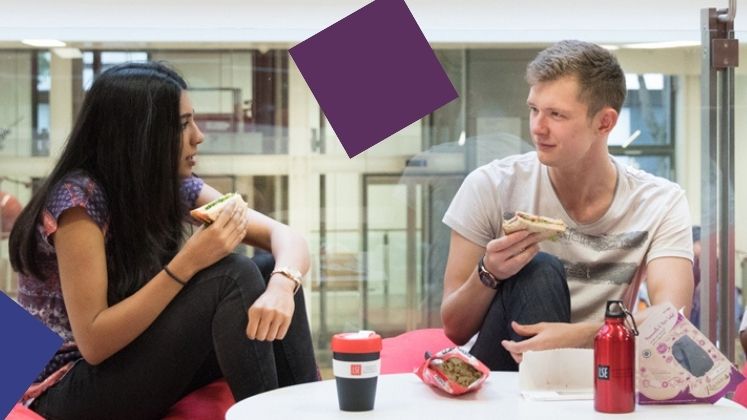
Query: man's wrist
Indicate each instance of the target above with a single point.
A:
(588, 331)
(486, 277)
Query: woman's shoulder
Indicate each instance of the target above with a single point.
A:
(78, 180)
(192, 182)
(76, 188)
(190, 190)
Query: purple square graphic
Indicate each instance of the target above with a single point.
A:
(373, 73)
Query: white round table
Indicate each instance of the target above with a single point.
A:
(405, 396)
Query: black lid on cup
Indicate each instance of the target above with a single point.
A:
(357, 342)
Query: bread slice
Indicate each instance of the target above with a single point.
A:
(547, 227)
(209, 212)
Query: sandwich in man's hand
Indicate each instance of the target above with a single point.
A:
(547, 227)
(209, 212)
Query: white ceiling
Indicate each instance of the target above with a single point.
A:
(87, 22)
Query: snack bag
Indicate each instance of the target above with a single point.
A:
(453, 370)
(678, 364)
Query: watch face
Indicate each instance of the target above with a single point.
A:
(486, 278)
(291, 272)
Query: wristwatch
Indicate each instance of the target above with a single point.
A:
(486, 277)
(292, 274)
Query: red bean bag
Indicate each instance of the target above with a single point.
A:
(209, 402)
(20, 412)
(404, 353)
(740, 395)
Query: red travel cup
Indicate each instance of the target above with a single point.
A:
(356, 364)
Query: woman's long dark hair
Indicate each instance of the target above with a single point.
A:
(127, 137)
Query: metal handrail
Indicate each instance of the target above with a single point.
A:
(727, 15)
(721, 55)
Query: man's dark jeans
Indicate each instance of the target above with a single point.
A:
(199, 337)
(537, 293)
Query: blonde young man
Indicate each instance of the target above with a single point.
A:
(521, 294)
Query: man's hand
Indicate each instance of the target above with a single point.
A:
(549, 335)
(508, 254)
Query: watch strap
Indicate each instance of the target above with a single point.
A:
(486, 277)
(293, 275)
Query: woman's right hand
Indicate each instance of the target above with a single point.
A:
(210, 243)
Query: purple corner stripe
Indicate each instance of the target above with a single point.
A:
(373, 73)
(27, 347)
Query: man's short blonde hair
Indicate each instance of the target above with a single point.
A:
(600, 78)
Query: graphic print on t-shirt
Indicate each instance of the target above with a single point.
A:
(618, 273)
(609, 272)
(627, 240)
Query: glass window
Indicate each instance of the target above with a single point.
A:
(240, 97)
(373, 223)
(643, 134)
(40, 145)
(94, 62)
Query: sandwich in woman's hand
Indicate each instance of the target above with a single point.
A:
(210, 211)
(547, 227)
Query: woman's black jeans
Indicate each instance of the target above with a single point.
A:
(537, 293)
(199, 337)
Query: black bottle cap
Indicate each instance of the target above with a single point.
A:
(615, 309)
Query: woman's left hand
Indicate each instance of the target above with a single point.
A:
(270, 315)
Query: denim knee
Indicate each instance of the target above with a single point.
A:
(235, 270)
(539, 292)
(244, 271)
(549, 264)
(543, 272)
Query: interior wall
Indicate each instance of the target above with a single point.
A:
(234, 70)
(481, 21)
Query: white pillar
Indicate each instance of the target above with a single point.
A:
(303, 205)
(60, 103)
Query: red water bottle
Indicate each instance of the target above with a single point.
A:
(614, 361)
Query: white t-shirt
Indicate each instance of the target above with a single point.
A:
(743, 325)
(648, 219)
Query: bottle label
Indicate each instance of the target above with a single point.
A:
(603, 372)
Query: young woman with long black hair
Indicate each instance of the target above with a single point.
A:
(148, 314)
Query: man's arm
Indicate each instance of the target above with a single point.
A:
(669, 279)
(466, 299)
